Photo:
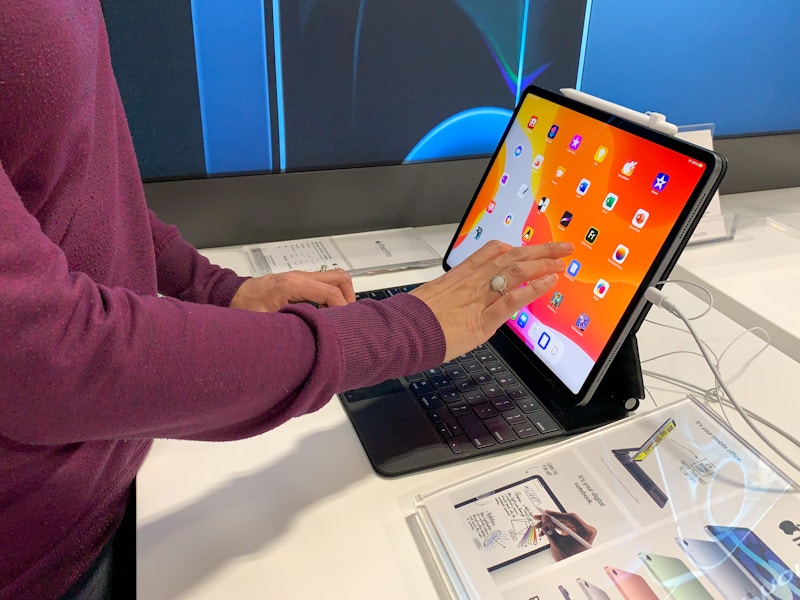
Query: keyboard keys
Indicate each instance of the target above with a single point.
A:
(500, 430)
(474, 401)
(476, 431)
(528, 406)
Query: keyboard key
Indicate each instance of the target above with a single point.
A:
(525, 431)
(492, 390)
(545, 423)
(500, 430)
(467, 356)
(421, 388)
(472, 366)
(476, 431)
(506, 380)
(430, 400)
(485, 410)
(517, 393)
(456, 373)
(457, 444)
(529, 406)
(516, 417)
(416, 377)
(496, 368)
(377, 294)
(474, 397)
(436, 372)
(453, 425)
(466, 385)
(444, 430)
(441, 383)
(437, 415)
(482, 378)
(484, 356)
(449, 396)
(502, 403)
(460, 408)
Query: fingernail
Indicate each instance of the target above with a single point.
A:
(550, 279)
(567, 246)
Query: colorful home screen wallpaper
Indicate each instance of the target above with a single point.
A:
(563, 176)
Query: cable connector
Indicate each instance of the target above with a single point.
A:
(657, 297)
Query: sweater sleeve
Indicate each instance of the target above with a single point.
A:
(185, 274)
(81, 361)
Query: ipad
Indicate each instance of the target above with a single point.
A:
(504, 523)
(626, 196)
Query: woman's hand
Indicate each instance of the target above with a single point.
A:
(470, 309)
(271, 292)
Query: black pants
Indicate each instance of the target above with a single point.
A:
(113, 575)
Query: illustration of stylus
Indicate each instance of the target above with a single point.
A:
(566, 529)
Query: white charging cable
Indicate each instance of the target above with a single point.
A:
(657, 298)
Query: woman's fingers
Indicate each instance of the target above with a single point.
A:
(473, 299)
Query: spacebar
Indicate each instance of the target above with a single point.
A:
(476, 431)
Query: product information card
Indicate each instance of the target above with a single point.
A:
(357, 253)
(670, 504)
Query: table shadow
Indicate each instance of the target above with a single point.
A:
(178, 550)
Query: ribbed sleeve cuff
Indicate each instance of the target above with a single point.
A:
(386, 339)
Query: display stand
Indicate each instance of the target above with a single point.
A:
(617, 395)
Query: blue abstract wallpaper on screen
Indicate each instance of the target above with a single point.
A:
(254, 86)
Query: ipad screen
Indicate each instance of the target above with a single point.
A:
(561, 174)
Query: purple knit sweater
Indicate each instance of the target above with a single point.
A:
(93, 363)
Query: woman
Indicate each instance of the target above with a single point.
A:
(95, 363)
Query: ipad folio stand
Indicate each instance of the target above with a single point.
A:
(618, 394)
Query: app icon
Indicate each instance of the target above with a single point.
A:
(660, 182)
(527, 234)
(557, 299)
(522, 320)
(582, 321)
(532, 122)
(591, 235)
(543, 340)
(611, 201)
(537, 162)
(640, 218)
(566, 219)
(514, 316)
(560, 171)
(601, 154)
(576, 142)
(478, 233)
(620, 254)
(553, 131)
(509, 218)
(601, 288)
(523, 190)
(573, 268)
(490, 207)
(543, 203)
(583, 186)
(628, 168)
(518, 151)
(504, 179)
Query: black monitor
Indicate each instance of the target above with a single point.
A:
(260, 120)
